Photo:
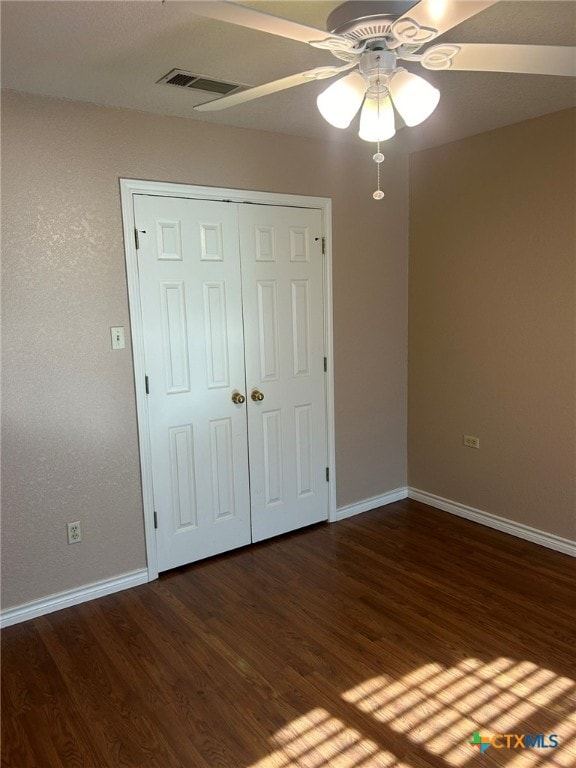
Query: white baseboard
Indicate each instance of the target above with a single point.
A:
(72, 597)
(545, 539)
(135, 578)
(367, 504)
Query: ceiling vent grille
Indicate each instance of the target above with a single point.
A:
(182, 79)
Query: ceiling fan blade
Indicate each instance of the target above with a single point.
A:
(319, 73)
(486, 57)
(430, 18)
(243, 16)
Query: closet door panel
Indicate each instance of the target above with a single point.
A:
(191, 305)
(282, 286)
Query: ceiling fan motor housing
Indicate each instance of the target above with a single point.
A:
(365, 19)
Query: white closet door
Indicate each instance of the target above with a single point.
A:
(282, 285)
(190, 289)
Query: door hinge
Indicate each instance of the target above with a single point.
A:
(146, 383)
(325, 364)
(327, 474)
(323, 246)
(155, 519)
(136, 238)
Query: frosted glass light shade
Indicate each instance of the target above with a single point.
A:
(377, 119)
(339, 102)
(413, 97)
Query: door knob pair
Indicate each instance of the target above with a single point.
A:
(238, 399)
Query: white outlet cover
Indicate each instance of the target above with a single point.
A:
(74, 532)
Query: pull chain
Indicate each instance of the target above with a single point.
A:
(378, 157)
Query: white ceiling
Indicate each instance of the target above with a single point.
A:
(113, 53)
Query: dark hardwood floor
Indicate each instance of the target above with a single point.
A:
(387, 639)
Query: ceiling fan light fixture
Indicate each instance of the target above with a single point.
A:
(377, 119)
(340, 102)
(414, 98)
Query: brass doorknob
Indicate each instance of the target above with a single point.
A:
(257, 396)
(238, 398)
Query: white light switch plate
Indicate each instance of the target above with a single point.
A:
(117, 334)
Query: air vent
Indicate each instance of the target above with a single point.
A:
(182, 79)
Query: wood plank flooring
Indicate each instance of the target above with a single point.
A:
(387, 639)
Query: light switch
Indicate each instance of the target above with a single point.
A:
(118, 337)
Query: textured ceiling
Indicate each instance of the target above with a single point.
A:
(114, 52)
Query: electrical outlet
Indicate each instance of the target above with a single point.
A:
(471, 442)
(74, 532)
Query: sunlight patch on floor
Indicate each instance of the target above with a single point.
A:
(437, 710)
(318, 740)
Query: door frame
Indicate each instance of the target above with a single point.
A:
(128, 189)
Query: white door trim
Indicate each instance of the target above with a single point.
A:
(131, 187)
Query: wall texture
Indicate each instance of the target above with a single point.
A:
(69, 424)
(492, 345)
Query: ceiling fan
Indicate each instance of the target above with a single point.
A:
(372, 38)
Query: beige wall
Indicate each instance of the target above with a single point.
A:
(492, 340)
(69, 425)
